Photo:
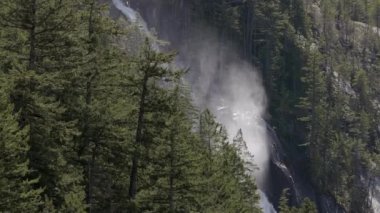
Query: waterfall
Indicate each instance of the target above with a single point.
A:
(266, 206)
(230, 87)
(128, 12)
(134, 17)
(374, 195)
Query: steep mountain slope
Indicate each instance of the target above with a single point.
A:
(315, 58)
(269, 105)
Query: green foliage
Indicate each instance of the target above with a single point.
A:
(229, 186)
(320, 69)
(48, 34)
(16, 189)
(89, 126)
(91, 122)
(307, 206)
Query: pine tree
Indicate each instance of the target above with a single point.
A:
(40, 44)
(17, 193)
(228, 186)
(174, 158)
(314, 104)
(307, 205)
(241, 146)
(150, 68)
(284, 202)
(96, 81)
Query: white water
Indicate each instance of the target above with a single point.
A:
(135, 19)
(374, 195)
(237, 98)
(129, 13)
(265, 205)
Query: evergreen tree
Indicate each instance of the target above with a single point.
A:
(174, 158)
(228, 187)
(150, 68)
(17, 193)
(307, 205)
(284, 202)
(98, 78)
(43, 55)
(314, 104)
(88, 124)
(242, 148)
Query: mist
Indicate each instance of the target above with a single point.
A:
(229, 86)
(233, 90)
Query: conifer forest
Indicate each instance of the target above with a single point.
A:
(190, 106)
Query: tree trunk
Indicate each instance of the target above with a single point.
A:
(86, 132)
(32, 37)
(172, 175)
(138, 139)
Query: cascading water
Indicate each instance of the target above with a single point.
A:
(128, 12)
(231, 88)
(135, 19)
